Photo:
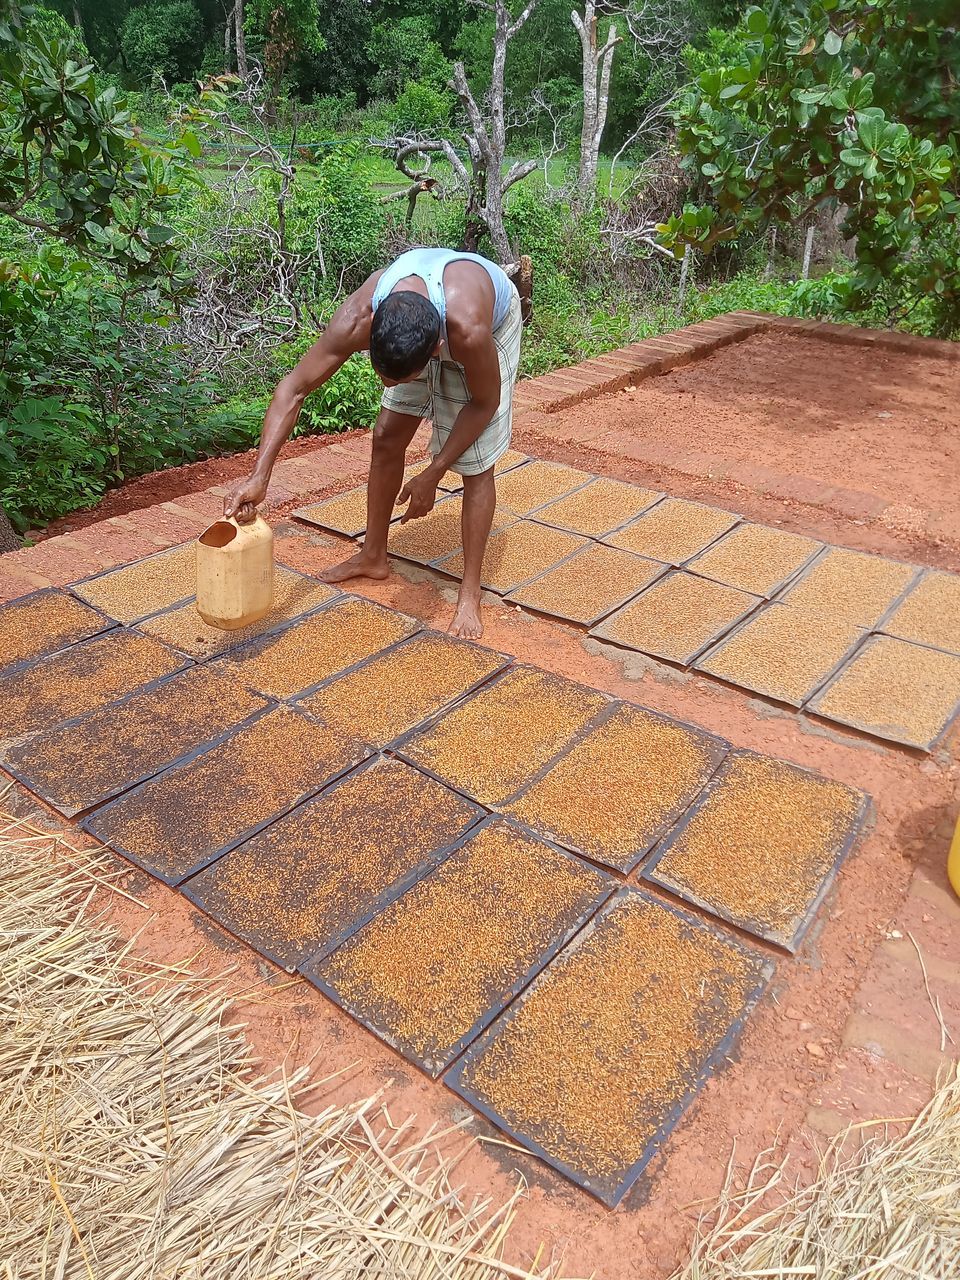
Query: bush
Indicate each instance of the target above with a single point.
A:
(92, 390)
(349, 400)
(422, 109)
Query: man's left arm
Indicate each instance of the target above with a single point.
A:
(477, 352)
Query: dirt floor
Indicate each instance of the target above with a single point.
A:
(873, 420)
(818, 1052)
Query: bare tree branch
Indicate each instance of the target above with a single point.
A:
(515, 26)
(518, 171)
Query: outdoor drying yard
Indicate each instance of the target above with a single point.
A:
(639, 875)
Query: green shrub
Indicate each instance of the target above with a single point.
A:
(349, 400)
(422, 109)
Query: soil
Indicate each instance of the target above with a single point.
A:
(872, 420)
(773, 1083)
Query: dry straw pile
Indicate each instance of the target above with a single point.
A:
(136, 1143)
(881, 1208)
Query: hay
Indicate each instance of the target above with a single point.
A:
(136, 1143)
(878, 1209)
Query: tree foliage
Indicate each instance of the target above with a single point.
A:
(162, 40)
(73, 166)
(838, 104)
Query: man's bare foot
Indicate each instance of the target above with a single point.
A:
(466, 619)
(362, 565)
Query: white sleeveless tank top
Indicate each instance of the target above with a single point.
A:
(429, 265)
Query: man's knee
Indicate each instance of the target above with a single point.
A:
(478, 483)
(393, 432)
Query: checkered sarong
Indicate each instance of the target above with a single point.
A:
(441, 392)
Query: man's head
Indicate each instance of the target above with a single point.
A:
(404, 335)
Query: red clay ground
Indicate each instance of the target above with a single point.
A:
(847, 1032)
(872, 420)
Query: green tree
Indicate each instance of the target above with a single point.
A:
(344, 67)
(165, 40)
(71, 163)
(73, 168)
(840, 104)
(282, 31)
(405, 51)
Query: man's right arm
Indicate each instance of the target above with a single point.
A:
(347, 332)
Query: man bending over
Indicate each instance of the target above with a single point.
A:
(443, 332)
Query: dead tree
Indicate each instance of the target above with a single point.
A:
(404, 151)
(657, 27)
(233, 34)
(486, 138)
(481, 177)
(597, 64)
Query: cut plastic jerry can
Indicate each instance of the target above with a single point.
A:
(235, 573)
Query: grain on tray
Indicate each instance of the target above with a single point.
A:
(588, 585)
(896, 690)
(453, 483)
(346, 513)
(760, 845)
(78, 679)
(184, 629)
(755, 558)
(318, 647)
(782, 652)
(179, 821)
(674, 530)
(599, 508)
(391, 694)
(851, 585)
(493, 743)
(437, 535)
(114, 746)
(613, 794)
(430, 537)
(146, 586)
(520, 552)
(313, 876)
(431, 969)
(634, 1009)
(526, 488)
(930, 614)
(42, 623)
(676, 617)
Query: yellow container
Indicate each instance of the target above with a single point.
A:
(235, 573)
(953, 861)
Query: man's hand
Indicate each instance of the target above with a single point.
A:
(244, 498)
(421, 491)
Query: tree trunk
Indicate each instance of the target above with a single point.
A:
(808, 252)
(8, 537)
(240, 41)
(772, 255)
(474, 222)
(684, 272)
(596, 67)
(228, 43)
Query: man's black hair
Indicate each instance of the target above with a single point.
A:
(404, 334)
